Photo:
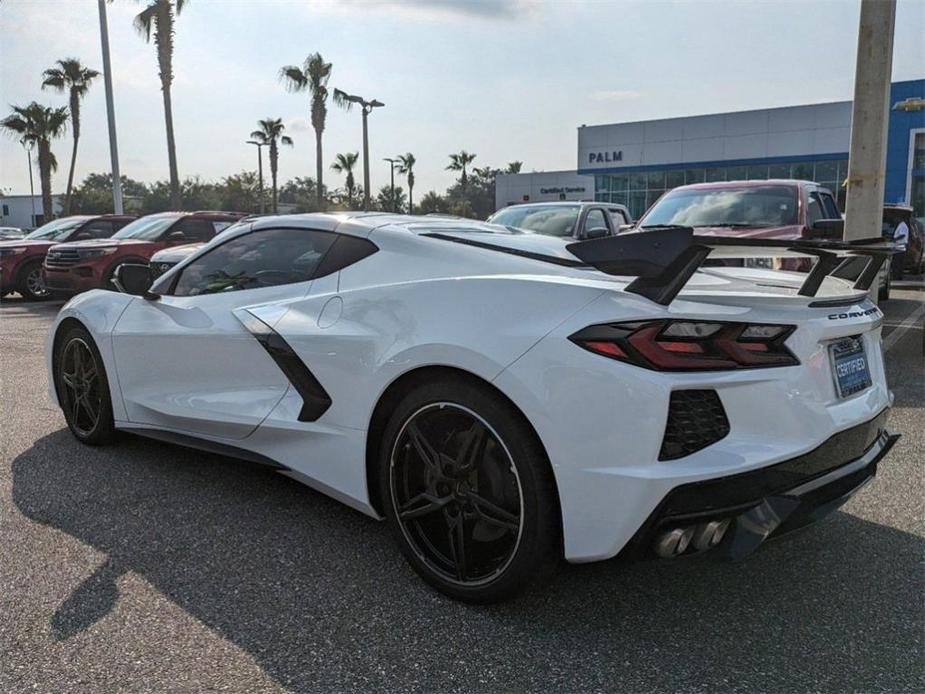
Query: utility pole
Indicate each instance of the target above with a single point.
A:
(110, 112)
(28, 147)
(259, 169)
(869, 120)
(367, 107)
(392, 163)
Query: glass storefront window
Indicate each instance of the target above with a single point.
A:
(655, 180)
(618, 184)
(757, 173)
(600, 184)
(779, 171)
(637, 181)
(674, 178)
(826, 171)
(637, 203)
(736, 173)
(693, 176)
(716, 174)
(842, 170)
(802, 171)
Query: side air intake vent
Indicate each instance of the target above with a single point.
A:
(696, 419)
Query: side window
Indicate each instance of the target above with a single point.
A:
(595, 220)
(195, 229)
(258, 259)
(829, 206)
(98, 230)
(814, 211)
(617, 218)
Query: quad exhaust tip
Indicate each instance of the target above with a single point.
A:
(674, 542)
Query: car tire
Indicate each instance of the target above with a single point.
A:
(468, 491)
(31, 284)
(83, 388)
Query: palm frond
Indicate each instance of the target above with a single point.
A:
(295, 79)
(286, 140)
(144, 20)
(340, 99)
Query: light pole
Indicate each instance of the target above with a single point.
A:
(259, 146)
(367, 107)
(28, 147)
(110, 112)
(392, 163)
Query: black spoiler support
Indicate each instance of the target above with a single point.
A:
(664, 260)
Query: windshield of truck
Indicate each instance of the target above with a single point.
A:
(146, 228)
(551, 220)
(751, 206)
(57, 230)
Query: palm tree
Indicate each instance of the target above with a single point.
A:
(271, 134)
(406, 164)
(459, 162)
(159, 15)
(313, 77)
(513, 167)
(70, 75)
(39, 125)
(344, 163)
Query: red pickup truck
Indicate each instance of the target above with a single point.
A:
(76, 267)
(21, 259)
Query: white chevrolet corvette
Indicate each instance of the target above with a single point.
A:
(502, 399)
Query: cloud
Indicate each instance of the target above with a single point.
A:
(298, 125)
(615, 95)
(424, 9)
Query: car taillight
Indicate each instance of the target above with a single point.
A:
(682, 345)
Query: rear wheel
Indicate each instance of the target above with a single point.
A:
(83, 389)
(468, 491)
(32, 283)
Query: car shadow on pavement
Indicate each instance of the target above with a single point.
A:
(320, 597)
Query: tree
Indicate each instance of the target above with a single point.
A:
(313, 78)
(39, 125)
(459, 162)
(239, 192)
(433, 203)
(387, 203)
(343, 164)
(513, 167)
(69, 75)
(302, 192)
(94, 194)
(159, 15)
(271, 134)
(406, 164)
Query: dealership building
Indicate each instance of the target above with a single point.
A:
(634, 163)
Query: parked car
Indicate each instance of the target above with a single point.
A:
(579, 220)
(913, 260)
(501, 398)
(21, 260)
(7, 233)
(163, 260)
(76, 267)
(771, 209)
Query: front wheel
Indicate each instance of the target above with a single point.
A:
(468, 491)
(32, 283)
(83, 389)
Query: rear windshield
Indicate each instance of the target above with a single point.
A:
(57, 230)
(752, 206)
(146, 228)
(551, 220)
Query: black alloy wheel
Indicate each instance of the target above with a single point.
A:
(83, 390)
(469, 495)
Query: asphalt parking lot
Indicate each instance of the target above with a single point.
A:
(148, 567)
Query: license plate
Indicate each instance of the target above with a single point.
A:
(849, 364)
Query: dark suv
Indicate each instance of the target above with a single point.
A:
(21, 259)
(76, 267)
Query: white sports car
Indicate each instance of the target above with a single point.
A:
(501, 398)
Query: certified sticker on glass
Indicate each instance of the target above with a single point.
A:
(849, 364)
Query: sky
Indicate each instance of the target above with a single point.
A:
(505, 79)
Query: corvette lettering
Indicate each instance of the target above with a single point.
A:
(854, 314)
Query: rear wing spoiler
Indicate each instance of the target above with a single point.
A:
(663, 261)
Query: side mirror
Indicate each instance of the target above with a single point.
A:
(596, 232)
(627, 227)
(134, 278)
(827, 229)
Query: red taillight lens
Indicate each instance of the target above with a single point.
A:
(674, 345)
